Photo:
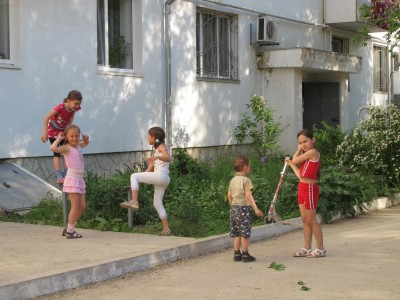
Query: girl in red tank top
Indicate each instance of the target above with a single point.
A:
(308, 192)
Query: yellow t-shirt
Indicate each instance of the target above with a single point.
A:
(238, 187)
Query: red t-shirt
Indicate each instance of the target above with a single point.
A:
(59, 121)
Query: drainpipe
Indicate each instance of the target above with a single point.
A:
(167, 62)
(391, 71)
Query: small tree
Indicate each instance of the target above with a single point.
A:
(384, 14)
(259, 128)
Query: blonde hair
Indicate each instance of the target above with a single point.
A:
(69, 127)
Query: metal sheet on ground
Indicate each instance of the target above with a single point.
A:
(21, 190)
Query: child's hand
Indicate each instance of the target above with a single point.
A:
(152, 159)
(44, 137)
(61, 136)
(85, 137)
(259, 213)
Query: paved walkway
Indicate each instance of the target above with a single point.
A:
(36, 260)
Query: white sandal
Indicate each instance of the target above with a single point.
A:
(317, 253)
(303, 252)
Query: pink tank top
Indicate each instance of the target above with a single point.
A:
(74, 158)
(309, 169)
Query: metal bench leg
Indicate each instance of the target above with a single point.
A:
(130, 217)
(65, 208)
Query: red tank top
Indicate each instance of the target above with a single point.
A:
(309, 169)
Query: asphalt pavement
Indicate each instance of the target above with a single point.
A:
(36, 260)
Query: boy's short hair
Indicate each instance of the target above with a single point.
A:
(240, 162)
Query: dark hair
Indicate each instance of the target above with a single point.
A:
(240, 162)
(306, 132)
(74, 95)
(69, 127)
(159, 134)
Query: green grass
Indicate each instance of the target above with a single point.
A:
(195, 199)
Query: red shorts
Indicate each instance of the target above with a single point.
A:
(308, 194)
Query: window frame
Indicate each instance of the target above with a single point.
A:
(5, 31)
(380, 69)
(229, 72)
(13, 59)
(135, 41)
(343, 43)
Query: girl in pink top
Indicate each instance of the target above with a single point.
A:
(308, 192)
(74, 183)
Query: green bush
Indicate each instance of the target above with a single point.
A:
(373, 147)
(328, 138)
(342, 191)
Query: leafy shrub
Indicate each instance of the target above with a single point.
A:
(341, 192)
(328, 138)
(374, 145)
(184, 164)
(259, 128)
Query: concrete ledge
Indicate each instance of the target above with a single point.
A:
(384, 202)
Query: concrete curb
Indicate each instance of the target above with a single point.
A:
(80, 277)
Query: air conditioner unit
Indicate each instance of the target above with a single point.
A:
(266, 31)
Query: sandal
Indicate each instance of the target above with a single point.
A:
(73, 235)
(130, 204)
(165, 232)
(303, 252)
(317, 253)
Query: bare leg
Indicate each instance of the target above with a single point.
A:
(82, 206)
(75, 211)
(245, 244)
(165, 226)
(318, 235)
(306, 217)
(236, 243)
(135, 195)
(56, 163)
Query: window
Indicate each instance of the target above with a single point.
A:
(340, 45)
(380, 68)
(4, 30)
(217, 45)
(118, 25)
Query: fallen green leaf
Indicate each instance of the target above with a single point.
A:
(300, 283)
(304, 288)
(276, 266)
